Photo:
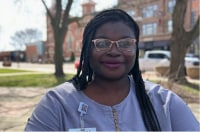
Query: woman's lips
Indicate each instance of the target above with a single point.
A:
(112, 64)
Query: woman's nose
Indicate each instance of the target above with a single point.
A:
(114, 49)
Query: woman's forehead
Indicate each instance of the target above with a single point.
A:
(114, 29)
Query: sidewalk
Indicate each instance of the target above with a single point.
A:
(20, 73)
(17, 105)
(44, 68)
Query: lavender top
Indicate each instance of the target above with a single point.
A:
(58, 111)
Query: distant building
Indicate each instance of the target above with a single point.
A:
(49, 44)
(35, 52)
(13, 56)
(155, 20)
(195, 13)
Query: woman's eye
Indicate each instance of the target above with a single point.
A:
(102, 44)
(125, 44)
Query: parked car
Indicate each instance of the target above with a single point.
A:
(191, 60)
(155, 58)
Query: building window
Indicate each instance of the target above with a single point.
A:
(149, 29)
(150, 11)
(169, 26)
(171, 4)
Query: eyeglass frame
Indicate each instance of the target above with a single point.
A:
(116, 43)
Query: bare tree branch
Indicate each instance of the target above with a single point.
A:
(58, 16)
(178, 16)
(66, 14)
(24, 37)
(48, 12)
(195, 30)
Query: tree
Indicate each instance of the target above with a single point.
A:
(23, 37)
(59, 21)
(180, 42)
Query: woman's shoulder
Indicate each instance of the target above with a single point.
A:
(158, 92)
(64, 90)
(165, 103)
(154, 87)
(66, 86)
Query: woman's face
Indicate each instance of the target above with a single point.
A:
(113, 63)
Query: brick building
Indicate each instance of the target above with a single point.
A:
(155, 20)
(49, 45)
(73, 40)
(153, 17)
(35, 52)
(195, 13)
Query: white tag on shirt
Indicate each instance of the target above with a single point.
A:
(82, 130)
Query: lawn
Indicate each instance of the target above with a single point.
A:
(8, 70)
(30, 80)
(34, 80)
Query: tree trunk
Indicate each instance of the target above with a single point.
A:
(58, 57)
(179, 42)
(177, 71)
(60, 20)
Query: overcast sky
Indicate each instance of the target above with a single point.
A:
(17, 17)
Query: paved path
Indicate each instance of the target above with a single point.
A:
(44, 68)
(16, 105)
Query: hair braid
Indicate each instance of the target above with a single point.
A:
(84, 73)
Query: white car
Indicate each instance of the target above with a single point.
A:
(191, 60)
(155, 58)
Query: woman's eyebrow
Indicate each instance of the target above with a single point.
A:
(104, 37)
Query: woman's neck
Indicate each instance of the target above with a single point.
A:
(108, 92)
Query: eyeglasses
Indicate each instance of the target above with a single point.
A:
(127, 44)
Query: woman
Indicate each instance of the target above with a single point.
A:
(108, 92)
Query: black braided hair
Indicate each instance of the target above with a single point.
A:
(84, 72)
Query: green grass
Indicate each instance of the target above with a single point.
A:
(191, 89)
(7, 70)
(33, 80)
(44, 80)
